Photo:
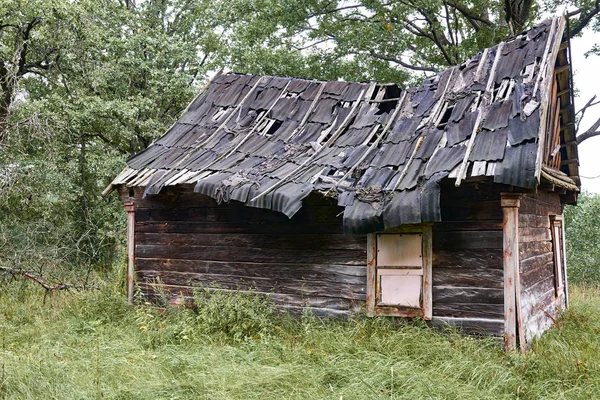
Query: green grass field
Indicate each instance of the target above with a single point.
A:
(95, 346)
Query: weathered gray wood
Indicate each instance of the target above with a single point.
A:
(371, 273)
(510, 208)
(473, 277)
(277, 298)
(445, 294)
(534, 235)
(537, 261)
(468, 310)
(467, 259)
(533, 249)
(260, 284)
(130, 208)
(465, 240)
(327, 272)
(533, 221)
(477, 326)
(258, 255)
(426, 294)
(257, 227)
(246, 240)
(533, 276)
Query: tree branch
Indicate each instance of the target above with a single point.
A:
(401, 63)
(584, 20)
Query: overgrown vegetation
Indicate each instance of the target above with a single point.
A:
(93, 345)
(582, 231)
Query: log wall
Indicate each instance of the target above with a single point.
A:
(536, 255)
(183, 240)
(467, 259)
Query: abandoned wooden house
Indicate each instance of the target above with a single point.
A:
(443, 201)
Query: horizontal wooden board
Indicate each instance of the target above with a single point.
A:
(257, 227)
(533, 221)
(534, 262)
(470, 209)
(527, 235)
(466, 240)
(469, 259)
(473, 326)
(536, 275)
(290, 300)
(468, 310)
(541, 203)
(261, 284)
(327, 272)
(479, 278)
(445, 294)
(246, 240)
(532, 249)
(257, 255)
(479, 225)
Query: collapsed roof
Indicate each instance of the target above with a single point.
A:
(378, 149)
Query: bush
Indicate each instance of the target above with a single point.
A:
(582, 233)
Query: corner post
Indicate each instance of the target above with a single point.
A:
(371, 273)
(130, 208)
(510, 203)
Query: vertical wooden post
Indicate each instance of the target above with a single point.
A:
(427, 274)
(510, 231)
(130, 208)
(371, 273)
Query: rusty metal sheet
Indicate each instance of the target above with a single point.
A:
(283, 108)
(489, 146)
(432, 139)
(518, 166)
(288, 198)
(497, 115)
(461, 107)
(324, 112)
(310, 133)
(521, 131)
(445, 159)
(404, 208)
(361, 218)
(392, 154)
(404, 129)
(458, 132)
(174, 134)
(399, 250)
(376, 177)
(144, 158)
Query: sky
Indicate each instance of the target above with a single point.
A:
(586, 79)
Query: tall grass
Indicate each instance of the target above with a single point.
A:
(93, 345)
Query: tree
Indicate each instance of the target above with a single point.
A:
(583, 238)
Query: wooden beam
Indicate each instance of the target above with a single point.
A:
(130, 208)
(510, 203)
(371, 273)
(560, 69)
(427, 304)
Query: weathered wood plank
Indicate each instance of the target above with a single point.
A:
(245, 240)
(330, 272)
(532, 249)
(427, 298)
(257, 255)
(541, 203)
(468, 259)
(277, 298)
(480, 277)
(533, 221)
(538, 274)
(260, 284)
(535, 262)
(474, 326)
(445, 294)
(469, 209)
(527, 235)
(479, 225)
(257, 227)
(468, 310)
(466, 240)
